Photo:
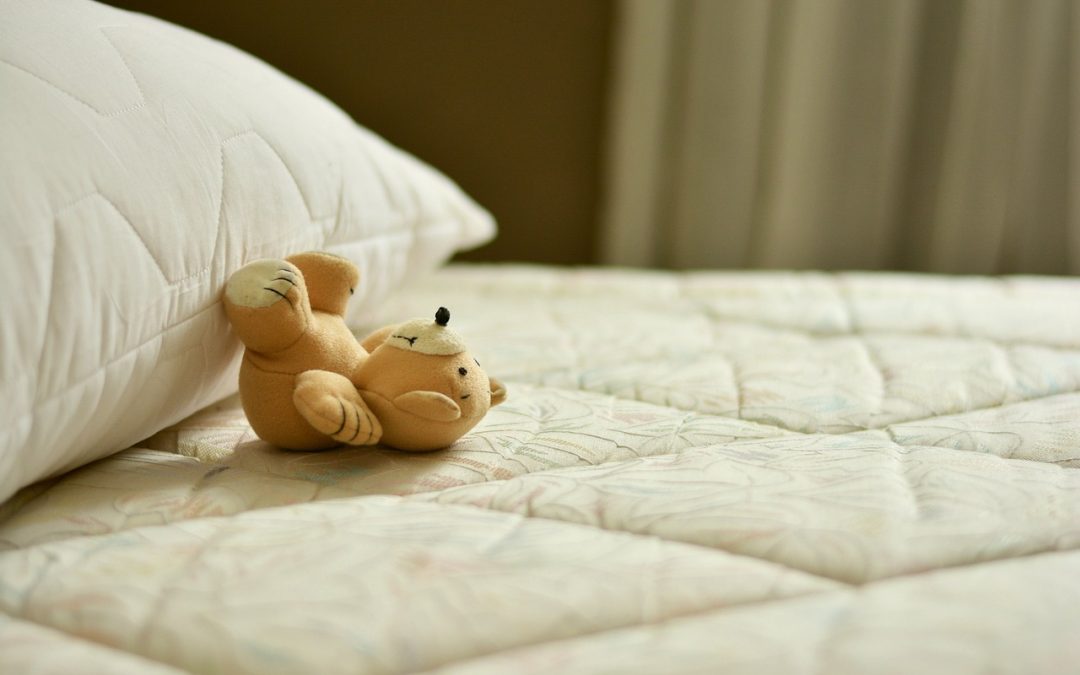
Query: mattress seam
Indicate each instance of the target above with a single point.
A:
(691, 614)
(721, 549)
(87, 640)
(824, 433)
(995, 406)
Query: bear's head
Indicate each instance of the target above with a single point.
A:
(424, 385)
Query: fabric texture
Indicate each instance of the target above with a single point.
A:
(708, 472)
(141, 164)
(844, 134)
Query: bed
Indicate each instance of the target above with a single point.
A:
(700, 472)
(717, 472)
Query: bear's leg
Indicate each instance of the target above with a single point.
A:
(330, 403)
(267, 304)
(330, 280)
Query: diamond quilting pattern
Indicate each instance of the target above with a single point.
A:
(863, 483)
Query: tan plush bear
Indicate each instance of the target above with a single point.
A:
(307, 384)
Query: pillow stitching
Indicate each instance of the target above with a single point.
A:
(127, 66)
(130, 108)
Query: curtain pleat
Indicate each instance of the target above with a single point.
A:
(852, 134)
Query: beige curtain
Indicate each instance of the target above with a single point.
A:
(934, 135)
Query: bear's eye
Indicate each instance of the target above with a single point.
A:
(351, 291)
(462, 372)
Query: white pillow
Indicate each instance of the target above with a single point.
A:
(140, 165)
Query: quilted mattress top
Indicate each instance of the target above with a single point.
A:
(714, 472)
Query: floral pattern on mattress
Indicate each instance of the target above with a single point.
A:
(723, 472)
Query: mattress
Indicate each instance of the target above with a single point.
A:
(694, 472)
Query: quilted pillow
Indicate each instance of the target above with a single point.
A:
(140, 165)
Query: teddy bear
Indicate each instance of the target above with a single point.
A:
(306, 383)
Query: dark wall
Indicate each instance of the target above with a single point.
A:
(506, 96)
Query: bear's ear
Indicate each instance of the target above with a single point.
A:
(372, 341)
(430, 405)
(498, 391)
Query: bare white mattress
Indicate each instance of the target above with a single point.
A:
(709, 472)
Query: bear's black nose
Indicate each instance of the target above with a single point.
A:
(442, 317)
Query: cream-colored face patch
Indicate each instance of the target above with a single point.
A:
(428, 337)
(261, 283)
